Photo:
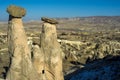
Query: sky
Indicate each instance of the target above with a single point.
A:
(62, 8)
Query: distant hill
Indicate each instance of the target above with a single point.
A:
(93, 23)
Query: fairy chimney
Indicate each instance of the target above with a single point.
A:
(21, 67)
(50, 53)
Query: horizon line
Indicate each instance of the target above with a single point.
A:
(32, 19)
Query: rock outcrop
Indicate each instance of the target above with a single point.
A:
(83, 52)
(16, 11)
(48, 20)
(21, 67)
(48, 59)
(104, 69)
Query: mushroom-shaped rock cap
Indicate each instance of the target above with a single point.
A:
(49, 20)
(16, 11)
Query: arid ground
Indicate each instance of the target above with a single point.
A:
(88, 43)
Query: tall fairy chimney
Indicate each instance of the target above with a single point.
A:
(21, 67)
(48, 59)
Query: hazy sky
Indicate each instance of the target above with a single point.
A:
(63, 8)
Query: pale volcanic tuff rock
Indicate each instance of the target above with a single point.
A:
(21, 67)
(88, 51)
(48, 58)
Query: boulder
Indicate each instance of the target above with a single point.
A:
(48, 20)
(16, 11)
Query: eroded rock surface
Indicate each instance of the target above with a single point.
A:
(104, 69)
(16, 11)
(48, 20)
(21, 67)
(48, 59)
(88, 51)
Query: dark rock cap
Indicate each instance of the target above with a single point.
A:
(16, 11)
(49, 20)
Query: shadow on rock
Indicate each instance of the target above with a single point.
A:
(107, 68)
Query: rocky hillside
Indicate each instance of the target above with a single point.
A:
(90, 45)
(104, 69)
